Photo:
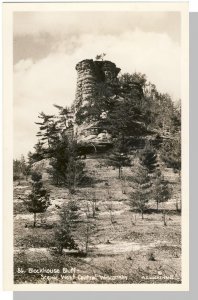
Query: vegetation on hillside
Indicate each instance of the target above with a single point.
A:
(100, 202)
(38, 200)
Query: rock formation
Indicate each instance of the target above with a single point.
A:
(98, 80)
(89, 74)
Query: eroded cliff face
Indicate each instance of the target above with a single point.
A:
(97, 82)
(90, 73)
(91, 77)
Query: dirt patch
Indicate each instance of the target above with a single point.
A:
(118, 247)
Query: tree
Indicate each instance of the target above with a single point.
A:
(161, 189)
(16, 170)
(25, 167)
(127, 82)
(125, 119)
(59, 161)
(38, 200)
(75, 168)
(63, 116)
(67, 168)
(119, 157)
(48, 129)
(109, 206)
(161, 112)
(38, 154)
(122, 106)
(119, 160)
(170, 152)
(100, 56)
(132, 87)
(20, 168)
(148, 158)
(67, 225)
(141, 185)
(88, 227)
(176, 118)
(92, 203)
(30, 159)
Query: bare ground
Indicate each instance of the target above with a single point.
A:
(121, 244)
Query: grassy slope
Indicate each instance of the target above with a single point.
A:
(121, 242)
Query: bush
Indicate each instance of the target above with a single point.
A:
(38, 200)
(63, 231)
(151, 256)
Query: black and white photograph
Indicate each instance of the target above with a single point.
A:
(97, 147)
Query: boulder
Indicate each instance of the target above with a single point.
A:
(43, 166)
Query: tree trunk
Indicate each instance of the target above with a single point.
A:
(176, 204)
(119, 172)
(123, 186)
(34, 225)
(157, 204)
(87, 239)
(93, 207)
(142, 213)
(74, 183)
(164, 217)
(111, 217)
(60, 250)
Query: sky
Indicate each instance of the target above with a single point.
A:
(48, 45)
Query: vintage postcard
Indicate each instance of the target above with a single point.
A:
(96, 146)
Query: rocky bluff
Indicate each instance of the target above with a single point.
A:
(92, 77)
(90, 73)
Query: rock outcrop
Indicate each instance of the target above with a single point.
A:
(90, 73)
(43, 166)
(98, 80)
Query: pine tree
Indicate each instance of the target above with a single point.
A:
(67, 225)
(25, 167)
(63, 119)
(119, 160)
(141, 192)
(171, 152)
(88, 228)
(67, 168)
(126, 119)
(161, 189)
(148, 158)
(75, 173)
(20, 168)
(16, 170)
(38, 200)
(30, 159)
(48, 129)
(100, 56)
(38, 154)
(119, 157)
